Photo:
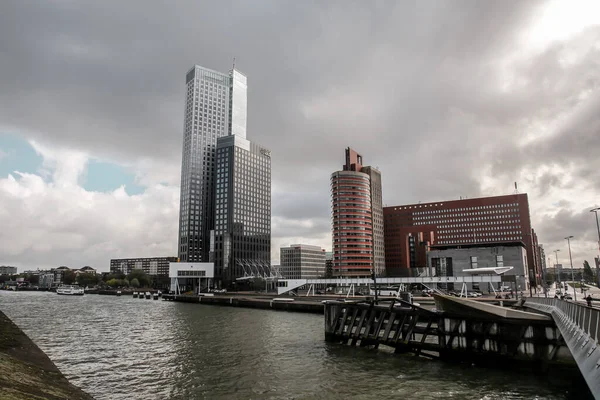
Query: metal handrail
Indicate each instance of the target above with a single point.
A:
(587, 318)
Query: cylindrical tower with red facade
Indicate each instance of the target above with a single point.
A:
(352, 224)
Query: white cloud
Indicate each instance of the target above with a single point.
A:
(64, 166)
(47, 223)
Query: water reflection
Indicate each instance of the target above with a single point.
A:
(124, 348)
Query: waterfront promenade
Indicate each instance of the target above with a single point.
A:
(121, 348)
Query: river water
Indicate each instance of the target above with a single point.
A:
(125, 348)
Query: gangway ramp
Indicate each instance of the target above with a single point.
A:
(578, 325)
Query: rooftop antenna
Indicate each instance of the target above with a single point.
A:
(233, 62)
(516, 188)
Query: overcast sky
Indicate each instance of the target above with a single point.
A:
(447, 98)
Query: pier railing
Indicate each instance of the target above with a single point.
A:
(578, 325)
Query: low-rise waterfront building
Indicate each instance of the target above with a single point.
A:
(7, 270)
(195, 276)
(302, 261)
(151, 266)
(45, 279)
(59, 274)
(452, 260)
(86, 270)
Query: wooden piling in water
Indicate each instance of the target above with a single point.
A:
(456, 337)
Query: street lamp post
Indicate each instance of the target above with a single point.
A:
(374, 277)
(595, 211)
(568, 238)
(533, 252)
(556, 274)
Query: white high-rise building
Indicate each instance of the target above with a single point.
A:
(215, 106)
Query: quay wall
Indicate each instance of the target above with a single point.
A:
(27, 372)
(300, 304)
(315, 307)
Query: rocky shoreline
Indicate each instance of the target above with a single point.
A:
(27, 372)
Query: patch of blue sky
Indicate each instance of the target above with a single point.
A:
(106, 176)
(16, 154)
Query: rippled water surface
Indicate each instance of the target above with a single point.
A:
(125, 348)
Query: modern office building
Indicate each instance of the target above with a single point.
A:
(542, 260)
(151, 266)
(59, 274)
(241, 240)
(453, 260)
(45, 279)
(6, 270)
(302, 261)
(215, 106)
(328, 264)
(412, 228)
(357, 228)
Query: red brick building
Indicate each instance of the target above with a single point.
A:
(357, 219)
(410, 229)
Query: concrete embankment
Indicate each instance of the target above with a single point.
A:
(315, 307)
(26, 373)
(312, 304)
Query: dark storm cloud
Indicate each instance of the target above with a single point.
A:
(413, 86)
(108, 76)
(580, 224)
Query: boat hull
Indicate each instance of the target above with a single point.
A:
(70, 290)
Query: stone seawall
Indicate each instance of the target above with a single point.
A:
(298, 305)
(26, 373)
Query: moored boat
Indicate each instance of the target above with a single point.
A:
(135, 295)
(148, 295)
(118, 292)
(70, 290)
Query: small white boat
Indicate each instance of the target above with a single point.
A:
(118, 292)
(135, 295)
(148, 295)
(70, 290)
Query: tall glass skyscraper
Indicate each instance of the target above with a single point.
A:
(225, 214)
(215, 106)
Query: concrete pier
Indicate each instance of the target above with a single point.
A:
(28, 373)
(298, 304)
(465, 331)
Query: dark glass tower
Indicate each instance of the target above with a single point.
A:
(242, 235)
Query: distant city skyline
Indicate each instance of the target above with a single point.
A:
(447, 100)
